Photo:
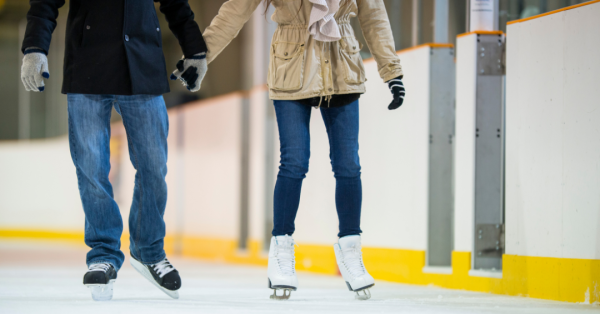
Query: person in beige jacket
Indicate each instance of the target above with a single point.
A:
(315, 61)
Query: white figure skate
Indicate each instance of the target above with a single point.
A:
(349, 259)
(282, 267)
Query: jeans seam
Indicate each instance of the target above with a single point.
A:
(327, 121)
(283, 217)
(141, 198)
(285, 209)
(73, 142)
(328, 128)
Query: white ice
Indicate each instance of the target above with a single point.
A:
(46, 278)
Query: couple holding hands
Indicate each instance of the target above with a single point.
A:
(114, 58)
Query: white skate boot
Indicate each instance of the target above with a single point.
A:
(282, 267)
(349, 259)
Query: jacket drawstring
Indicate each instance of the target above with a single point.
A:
(327, 99)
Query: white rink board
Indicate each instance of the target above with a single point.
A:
(394, 156)
(257, 202)
(38, 186)
(212, 168)
(553, 135)
(203, 170)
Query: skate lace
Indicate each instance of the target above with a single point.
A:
(353, 261)
(285, 257)
(163, 267)
(99, 267)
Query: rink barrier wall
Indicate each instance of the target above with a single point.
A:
(553, 12)
(562, 279)
(552, 148)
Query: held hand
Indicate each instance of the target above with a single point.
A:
(34, 69)
(191, 71)
(397, 88)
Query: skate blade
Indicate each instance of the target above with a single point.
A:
(144, 272)
(287, 293)
(102, 292)
(365, 295)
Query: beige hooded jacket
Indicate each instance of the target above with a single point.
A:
(301, 67)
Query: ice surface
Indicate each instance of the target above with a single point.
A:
(47, 278)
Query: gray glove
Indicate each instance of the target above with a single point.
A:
(34, 69)
(191, 71)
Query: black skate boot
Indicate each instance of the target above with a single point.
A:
(100, 278)
(162, 274)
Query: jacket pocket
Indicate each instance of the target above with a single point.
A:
(352, 61)
(286, 70)
(156, 30)
(86, 29)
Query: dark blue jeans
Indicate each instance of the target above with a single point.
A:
(147, 126)
(293, 120)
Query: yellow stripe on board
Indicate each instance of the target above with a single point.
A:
(560, 279)
(72, 236)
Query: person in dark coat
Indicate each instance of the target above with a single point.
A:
(114, 58)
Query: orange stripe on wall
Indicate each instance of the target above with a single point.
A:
(553, 12)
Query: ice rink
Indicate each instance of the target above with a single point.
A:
(45, 277)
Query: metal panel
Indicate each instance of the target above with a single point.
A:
(489, 241)
(441, 138)
(489, 58)
(244, 173)
(489, 139)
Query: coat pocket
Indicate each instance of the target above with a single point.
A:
(156, 29)
(286, 70)
(352, 61)
(86, 29)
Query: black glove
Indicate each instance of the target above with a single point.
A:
(397, 89)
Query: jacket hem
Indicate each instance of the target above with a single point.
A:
(311, 95)
(117, 93)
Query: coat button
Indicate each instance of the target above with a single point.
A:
(285, 54)
(331, 89)
(326, 61)
(87, 27)
(353, 47)
(158, 29)
(126, 38)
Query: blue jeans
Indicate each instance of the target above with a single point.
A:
(147, 126)
(293, 120)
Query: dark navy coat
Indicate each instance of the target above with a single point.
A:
(114, 46)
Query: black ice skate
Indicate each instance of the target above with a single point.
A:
(100, 278)
(162, 274)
